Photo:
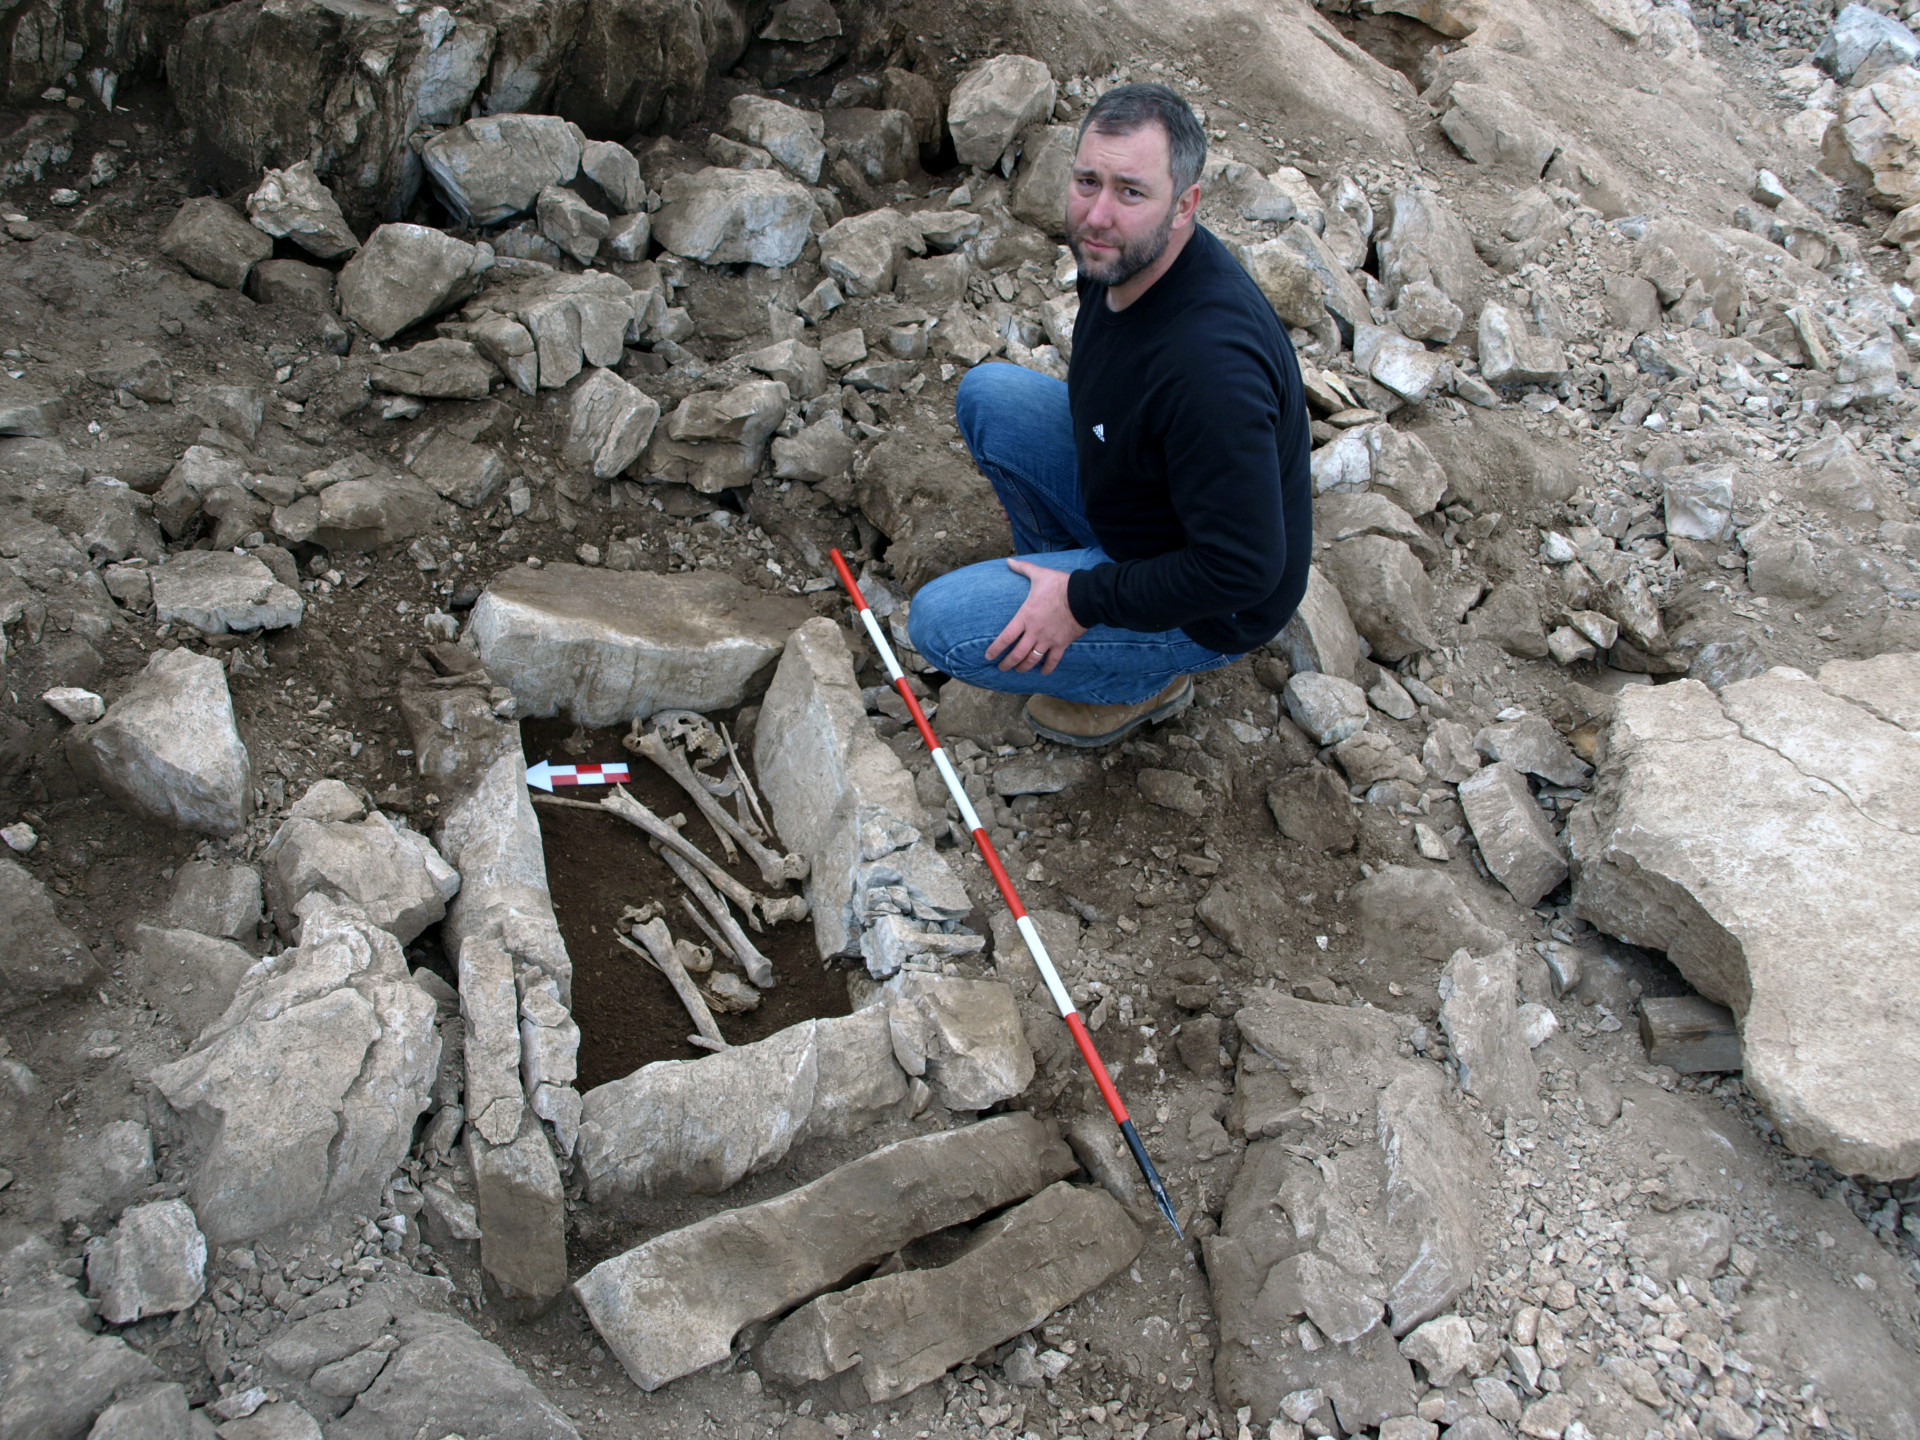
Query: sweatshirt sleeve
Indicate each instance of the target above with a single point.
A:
(1221, 438)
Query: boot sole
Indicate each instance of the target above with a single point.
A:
(1165, 711)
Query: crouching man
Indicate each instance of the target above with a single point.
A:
(1160, 499)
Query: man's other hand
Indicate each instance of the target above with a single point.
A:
(1042, 628)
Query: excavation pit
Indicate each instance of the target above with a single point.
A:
(597, 865)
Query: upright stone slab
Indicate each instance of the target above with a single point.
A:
(902, 1330)
(604, 646)
(1480, 1014)
(1516, 841)
(840, 796)
(1766, 840)
(673, 1305)
(522, 1213)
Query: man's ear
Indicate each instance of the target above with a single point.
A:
(1184, 208)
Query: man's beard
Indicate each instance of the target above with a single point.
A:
(1131, 259)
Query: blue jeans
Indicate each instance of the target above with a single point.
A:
(1017, 426)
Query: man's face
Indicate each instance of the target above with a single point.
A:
(1121, 206)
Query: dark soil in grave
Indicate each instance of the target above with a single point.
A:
(597, 865)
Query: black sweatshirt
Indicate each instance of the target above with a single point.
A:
(1190, 424)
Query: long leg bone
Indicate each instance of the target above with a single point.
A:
(659, 948)
(774, 869)
(746, 785)
(628, 808)
(759, 969)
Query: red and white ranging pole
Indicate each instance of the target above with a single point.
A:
(1029, 932)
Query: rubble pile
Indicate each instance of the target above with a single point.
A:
(1506, 966)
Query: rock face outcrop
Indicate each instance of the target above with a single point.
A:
(1767, 839)
(303, 1096)
(603, 647)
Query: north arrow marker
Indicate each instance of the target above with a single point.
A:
(545, 776)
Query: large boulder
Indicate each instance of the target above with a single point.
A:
(218, 592)
(292, 204)
(1809, 940)
(214, 244)
(604, 647)
(1422, 239)
(996, 102)
(1880, 130)
(302, 1097)
(734, 217)
(493, 167)
(268, 83)
(391, 873)
(404, 273)
(169, 750)
(644, 65)
(56, 1374)
(790, 135)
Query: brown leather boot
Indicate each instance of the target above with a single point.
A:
(1067, 722)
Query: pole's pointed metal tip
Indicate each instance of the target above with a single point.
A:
(1150, 1175)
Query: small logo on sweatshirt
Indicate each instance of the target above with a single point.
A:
(1100, 433)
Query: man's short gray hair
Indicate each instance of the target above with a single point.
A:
(1125, 108)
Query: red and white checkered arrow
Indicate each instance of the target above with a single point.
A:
(545, 776)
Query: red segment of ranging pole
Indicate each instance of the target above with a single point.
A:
(1029, 932)
(545, 776)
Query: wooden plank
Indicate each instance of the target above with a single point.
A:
(1690, 1033)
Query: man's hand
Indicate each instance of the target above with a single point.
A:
(1042, 628)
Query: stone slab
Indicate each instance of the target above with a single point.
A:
(1761, 839)
(673, 1305)
(900, 1331)
(603, 647)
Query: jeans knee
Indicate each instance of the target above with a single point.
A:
(972, 403)
(924, 629)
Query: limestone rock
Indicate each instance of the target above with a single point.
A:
(996, 102)
(168, 749)
(222, 900)
(899, 1331)
(935, 507)
(521, 1211)
(391, 873)
(190, 976)
(292, 204)
(153, 1263)
(962, 1036)
(878, 144)
(404, 273)
(214, 244)
(862, 252)
(1387, 594)
(39, 956)
(1310, 806)
(701, 1126)
(1417, 912)
(146, 1412)
(491, 168)
(1480, 1015)
(840, 796)
(490, 1015)
(1327, 708)
(734, 217)
(217, 591)
(1667, 857)
(1422, 239)
(1512, 352)
(791, 136)
(1404, 469)
(1532, 746)
(1320, 635)
(673, 1305)
(1515, 839)
(1040, 189)
(1277, 1257)
(304, 1094)
(56, 1375)
(435, 370)
(1491, 128)
(1863, 38)
(1510, 618)
(609, 423)
(603, 647)
(571, 223)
